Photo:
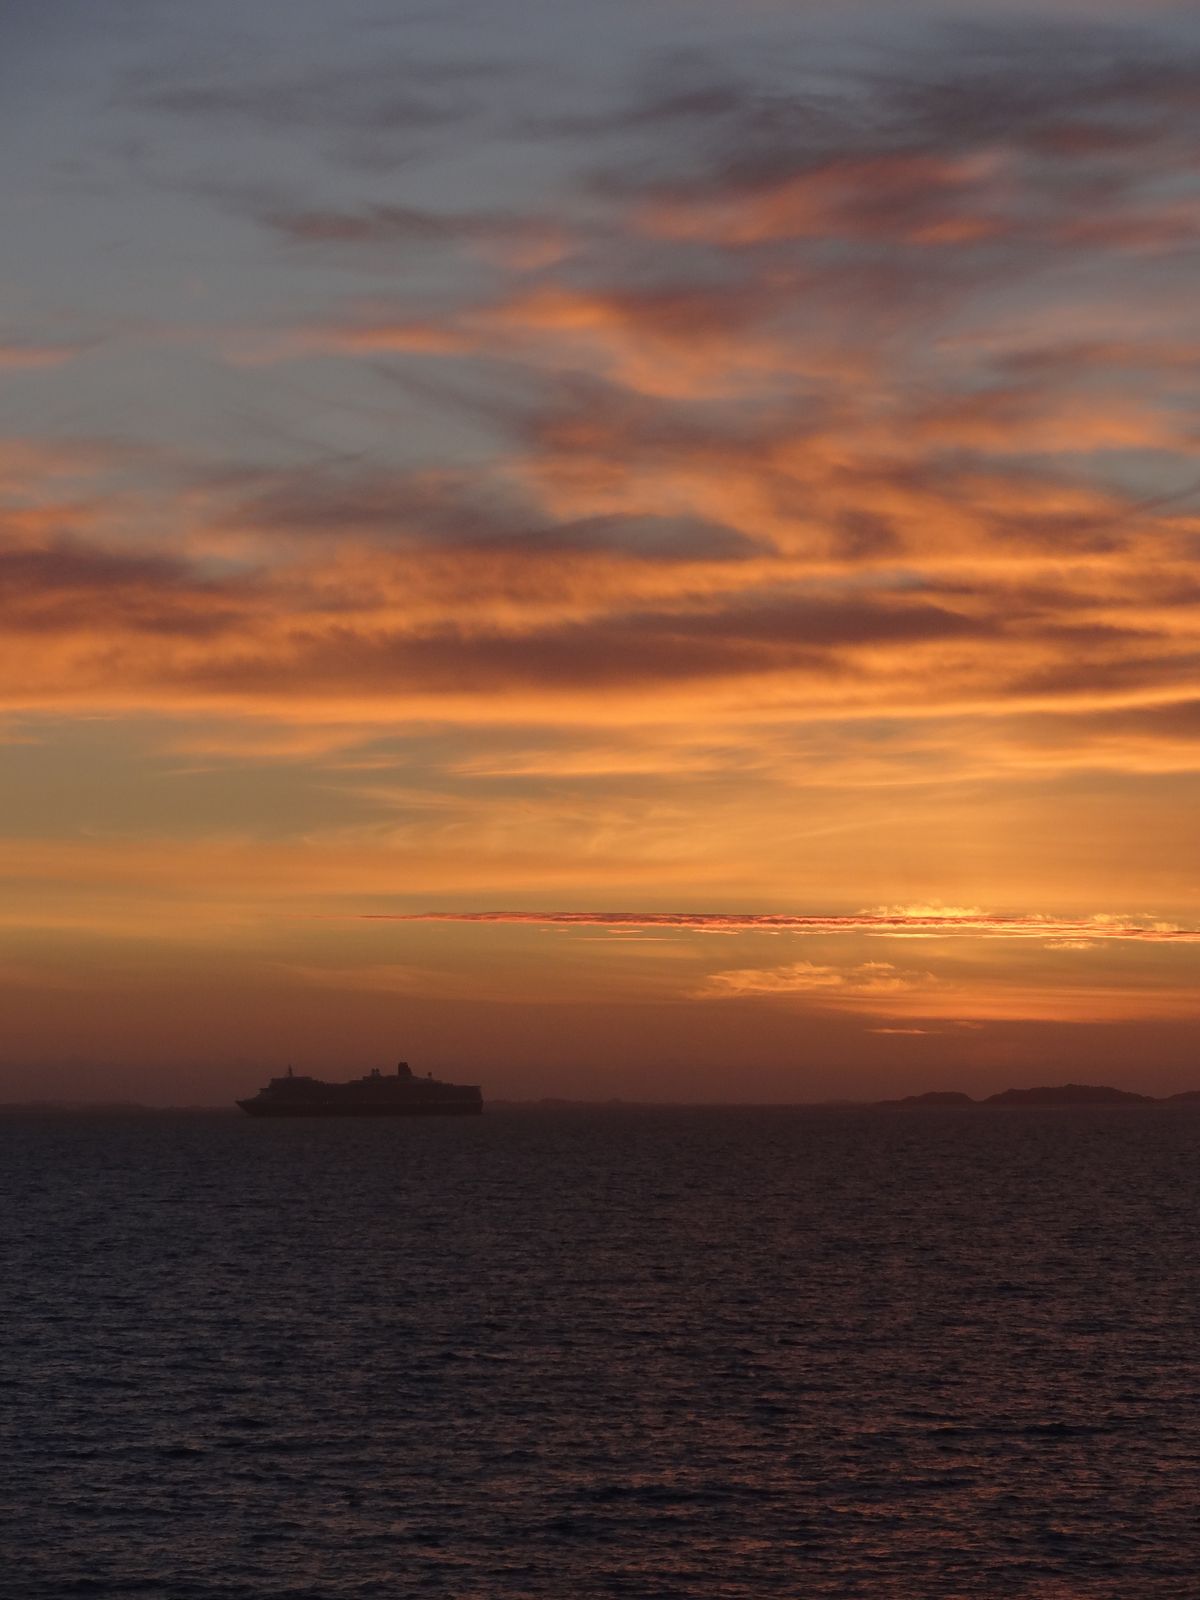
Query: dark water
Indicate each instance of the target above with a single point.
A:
(675, 1353)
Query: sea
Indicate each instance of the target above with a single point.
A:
(602, 1352)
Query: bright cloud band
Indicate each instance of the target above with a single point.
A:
(897, 922)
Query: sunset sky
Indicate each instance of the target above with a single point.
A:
(644, 548)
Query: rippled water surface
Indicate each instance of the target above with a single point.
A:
(573, 1354)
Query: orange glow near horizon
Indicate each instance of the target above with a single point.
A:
(701, 534)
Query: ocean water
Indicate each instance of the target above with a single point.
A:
(602, 1353)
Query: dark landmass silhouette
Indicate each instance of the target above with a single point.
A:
(933, 1097)
(1060, 1094)
(1069, 1094)
(98, 1108)
(550, 1102)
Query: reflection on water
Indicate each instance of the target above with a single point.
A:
(603, 1353)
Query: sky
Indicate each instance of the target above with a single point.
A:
(641, 550)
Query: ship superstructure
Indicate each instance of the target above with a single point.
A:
(378, 1094)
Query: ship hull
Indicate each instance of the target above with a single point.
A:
(432, 1108)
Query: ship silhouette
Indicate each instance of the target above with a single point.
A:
(398, 1094)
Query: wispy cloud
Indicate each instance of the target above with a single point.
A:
(18, 354)
(871, 981)
(886, 922)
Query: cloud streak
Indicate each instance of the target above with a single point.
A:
(873, 982)
(894, 922)
(17, 355)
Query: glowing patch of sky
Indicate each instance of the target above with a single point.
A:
(677, 457)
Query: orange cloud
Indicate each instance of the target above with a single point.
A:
(32, 355)
(903, 597)
(870, 981)
(923, 199)
(887, 922)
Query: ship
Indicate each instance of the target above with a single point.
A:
(378, 1094)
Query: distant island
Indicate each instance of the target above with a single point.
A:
(934, 1097)
(1069, 1094)
(1061, 1094)
(100, 1108)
